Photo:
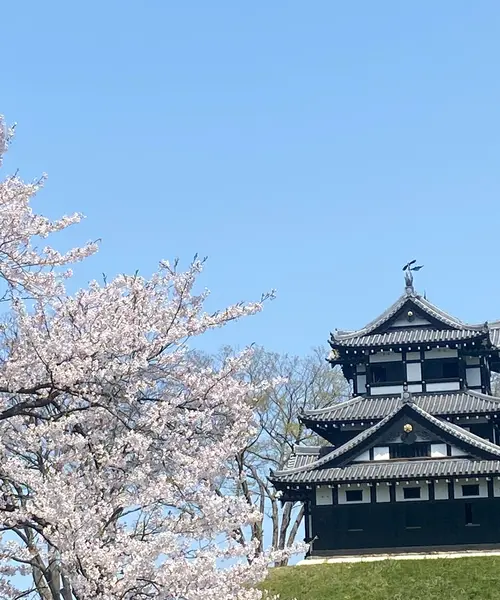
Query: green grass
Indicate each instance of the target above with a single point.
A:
(475, 578)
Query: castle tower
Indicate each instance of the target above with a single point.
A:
(412, 460)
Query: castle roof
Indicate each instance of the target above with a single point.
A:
(387, 471)
(335, 464)
(372, 408)
(431, 325)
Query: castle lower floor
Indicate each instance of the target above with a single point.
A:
(412, 553)
(431, 524)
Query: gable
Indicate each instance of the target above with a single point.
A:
(411, 315)
(410, 310)
(410, 426)
(408, 319)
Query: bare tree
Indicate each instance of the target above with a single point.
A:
(495, 384)
(299, 383)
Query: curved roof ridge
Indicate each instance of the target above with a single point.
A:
(460, 432)
(299, 449)
(482, 442)
(455, 430)
(426, 304)
(387, 314)
(319, 411)
(341, 449)
(479, 394)
(386, 470)
(423, 304)
(442, 403)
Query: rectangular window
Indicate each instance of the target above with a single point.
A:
(470, 490)
(389, 372)
(444, 368)
(470, 516)
(354, 495)
(409, 450)
(411, 493)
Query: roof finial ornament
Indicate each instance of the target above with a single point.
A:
(408, 269)
(406, 396)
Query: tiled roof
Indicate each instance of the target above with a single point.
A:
(386, 471)
(377, 407)
(454, 430)
(409, 335)
(304, 456)
(422, 303)
(458, 432)
(315, 465)
(356, 440)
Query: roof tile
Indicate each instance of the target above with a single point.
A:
(378, 407)
(380, 471)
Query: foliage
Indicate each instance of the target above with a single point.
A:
(111, 438)
(475, 578)
(299, 383)
(495, 384)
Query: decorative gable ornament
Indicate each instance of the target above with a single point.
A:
(406, 396)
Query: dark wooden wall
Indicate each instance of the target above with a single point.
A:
(484, 430)
(384, 525)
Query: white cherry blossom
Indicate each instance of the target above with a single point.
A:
(111, 439)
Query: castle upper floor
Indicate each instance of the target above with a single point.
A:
(416, 345)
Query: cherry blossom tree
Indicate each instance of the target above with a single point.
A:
(112, 441)
(300, 383)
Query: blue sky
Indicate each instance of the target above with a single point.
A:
(309, 147)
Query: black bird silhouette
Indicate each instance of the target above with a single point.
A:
(409, 267)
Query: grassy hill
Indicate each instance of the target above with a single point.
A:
(474, 578)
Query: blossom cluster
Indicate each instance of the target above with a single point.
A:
(112, 440)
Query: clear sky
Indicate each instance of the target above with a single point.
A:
(311, 147)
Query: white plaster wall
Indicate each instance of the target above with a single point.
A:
(443, 386)
(441, 490)
(483, 488)
(324, 496)
(397, 439)
(441, 353)
(413, 356)
(385, 390)
(413, 372)
(360, 368)
(381, 453)
(363, 457)
(383, 493)
(457, 451)
(361, 382)
(424, 492)
(472, 360)
(363, 487)
(473, 377)
(496, 487)
(402, 321)
(438, 450)
(386, 357)
(414, 388)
